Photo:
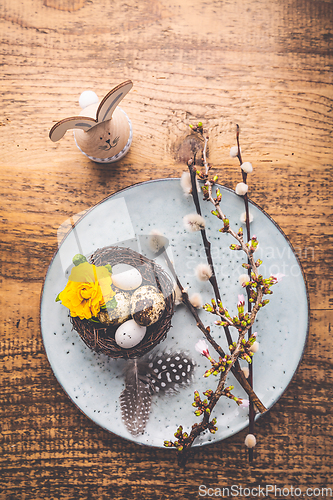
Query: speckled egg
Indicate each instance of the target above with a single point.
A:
(129, 334)
(147, 305)
(127, 280)
(121, 313)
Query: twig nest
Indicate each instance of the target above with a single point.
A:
(147, 305)
(120, 313)
(129, 334)
(100, 336)
(250, 441)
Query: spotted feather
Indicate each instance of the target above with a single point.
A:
(169, 371)
(156, 374)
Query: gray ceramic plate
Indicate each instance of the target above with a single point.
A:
(94, 382)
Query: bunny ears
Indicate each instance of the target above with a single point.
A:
(104, 112)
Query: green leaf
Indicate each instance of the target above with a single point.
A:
(57, 297)
(112, 304)
(78, 259)
(94, 320)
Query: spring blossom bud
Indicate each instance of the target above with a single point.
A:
(278, 277)
(241, 300)
(202, 347)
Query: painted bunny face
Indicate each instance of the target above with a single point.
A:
(106, 139)
(107, 146)
(105, 136)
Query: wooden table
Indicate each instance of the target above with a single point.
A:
(264, 65)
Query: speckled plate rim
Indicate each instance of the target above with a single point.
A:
(237, 428)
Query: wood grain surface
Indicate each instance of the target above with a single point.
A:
(264, 65)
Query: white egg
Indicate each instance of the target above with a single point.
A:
(127, 280)
(129, 334)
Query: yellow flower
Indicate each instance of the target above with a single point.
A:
(87, 290)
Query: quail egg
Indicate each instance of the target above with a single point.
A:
(121, 313)
(147, 305)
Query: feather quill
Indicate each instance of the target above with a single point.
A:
(135, 401)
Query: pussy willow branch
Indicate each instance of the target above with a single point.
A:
(244, 175)
(249, 305)
(246, 250)
(237, 237)
(204, 424)
(233, 365)
(206, 243)
(247, 222)
(207, 246)
(196, 431)
(254, 269)
(239, 375)
(204, 155)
